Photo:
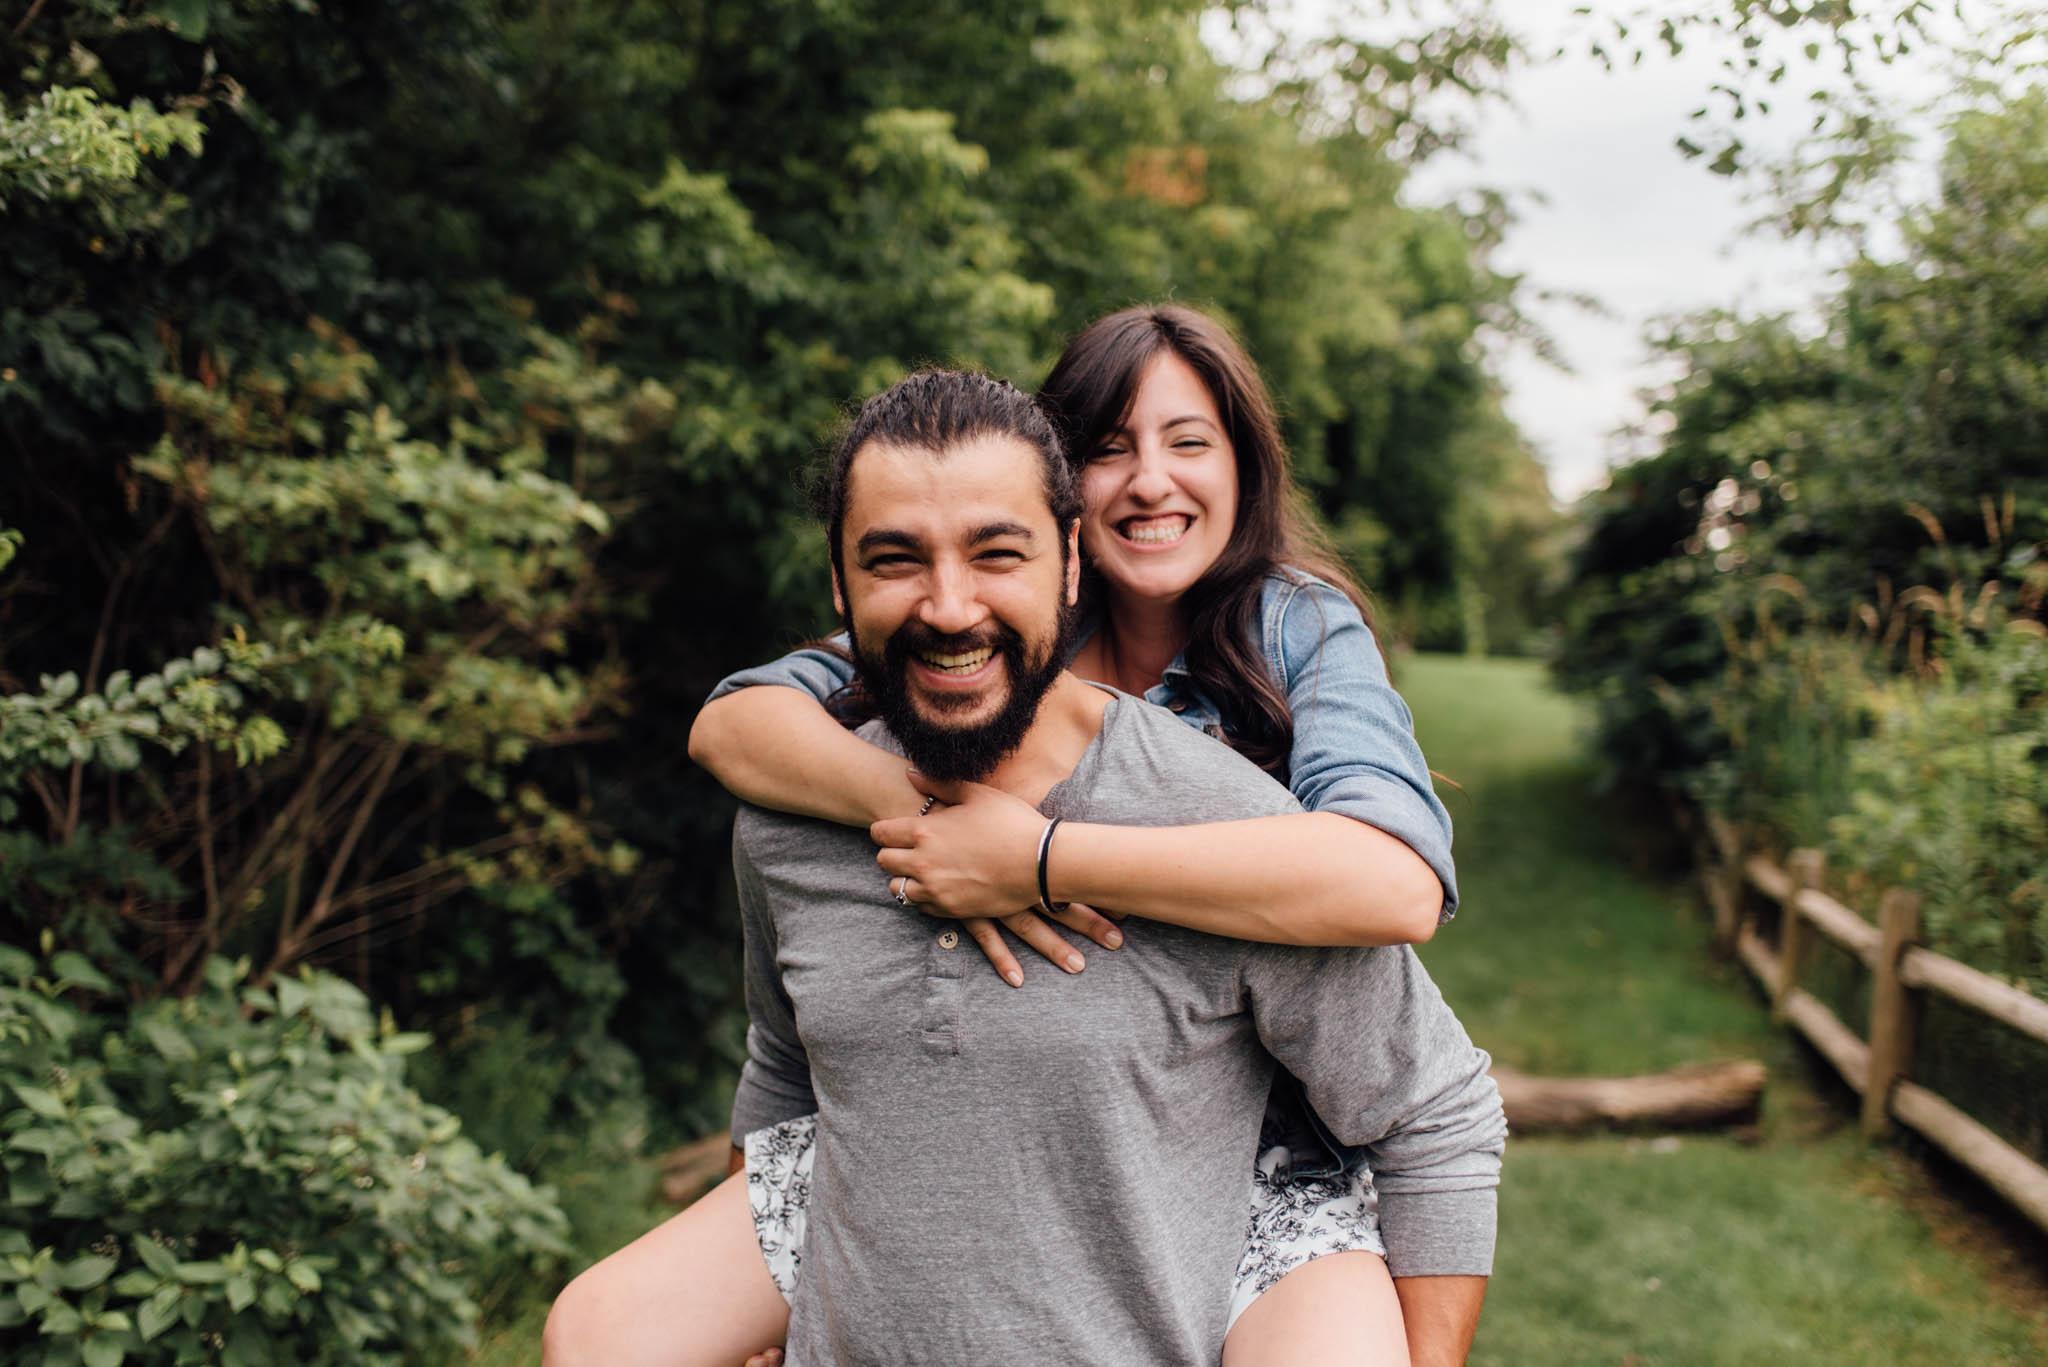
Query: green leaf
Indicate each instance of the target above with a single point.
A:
(241, 1293)
(137, 1282)
(16, 965)
(169, 1041)
(291, 996)
(43, 1103)
(306, 1278)
(75, 970)
(101, 1350)
(202, 1274)
(155, 1256)
(157, 1312)
(188, 18)
(83, 1274)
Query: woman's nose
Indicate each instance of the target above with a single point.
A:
(1149, 482)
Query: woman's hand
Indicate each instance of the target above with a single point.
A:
(976, 859)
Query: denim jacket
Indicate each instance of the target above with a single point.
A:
(1354, 753)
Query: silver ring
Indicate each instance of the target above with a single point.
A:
(896, 887)
(926, 809)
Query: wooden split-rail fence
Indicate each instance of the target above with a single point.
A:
(1878, 1065)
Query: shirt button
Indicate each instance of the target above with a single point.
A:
(948, 939)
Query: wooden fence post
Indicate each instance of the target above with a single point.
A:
(1891, 1009)
(1725, 876)
(1807, 868)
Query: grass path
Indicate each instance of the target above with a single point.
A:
(1797, 1243)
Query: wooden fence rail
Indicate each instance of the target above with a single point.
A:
(1876, 1067)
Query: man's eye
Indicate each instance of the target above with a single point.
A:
(883, 564)
(1000, 557)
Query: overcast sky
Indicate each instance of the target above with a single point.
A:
(1626, 220)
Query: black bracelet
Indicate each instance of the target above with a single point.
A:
(1045, 902)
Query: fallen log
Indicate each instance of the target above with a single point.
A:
(696, 1167)
(1697, 1096)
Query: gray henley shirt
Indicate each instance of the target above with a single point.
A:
(1061, 1173)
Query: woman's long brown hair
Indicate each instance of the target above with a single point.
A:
(1089, 396)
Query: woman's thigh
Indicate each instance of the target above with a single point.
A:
(1338, 1309)
(692, 1292)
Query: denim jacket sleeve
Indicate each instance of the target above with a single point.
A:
(817, 672)
(1354, 740)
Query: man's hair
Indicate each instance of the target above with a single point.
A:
(936, 410)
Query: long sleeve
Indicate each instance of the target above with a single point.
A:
(1387, 1065)
(775, 1083)
(1354, 740)
(817, 672)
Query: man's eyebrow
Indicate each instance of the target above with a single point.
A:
(993, 530)
(887, 536)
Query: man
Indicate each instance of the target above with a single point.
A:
(1059, 1172)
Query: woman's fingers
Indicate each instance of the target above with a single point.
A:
(999, 956)
(767, 1357)
(1029, 927)
(1090, 923)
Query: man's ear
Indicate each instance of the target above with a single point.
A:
(1074, 562)
(838, 595)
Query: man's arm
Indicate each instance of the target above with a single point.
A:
(775, 1083)
(1386, 1064)
(1441, 1315)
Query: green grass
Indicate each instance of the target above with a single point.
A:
(1797, 1243)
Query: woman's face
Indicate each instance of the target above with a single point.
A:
(1161, 491)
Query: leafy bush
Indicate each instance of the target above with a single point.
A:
(240, 1176)
(1950, 796)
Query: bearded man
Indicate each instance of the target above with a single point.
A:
(1053, 1173)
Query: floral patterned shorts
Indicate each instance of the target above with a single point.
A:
(1291, 1221)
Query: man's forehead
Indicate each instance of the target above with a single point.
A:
(965, 483)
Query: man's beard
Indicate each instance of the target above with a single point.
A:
(952, 753)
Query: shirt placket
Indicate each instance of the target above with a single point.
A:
(945, 986)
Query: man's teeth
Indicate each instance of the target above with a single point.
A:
(965, 663)
(1155, 533)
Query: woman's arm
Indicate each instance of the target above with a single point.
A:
(1354, 749)
(779, 748)
(766, 736)
(1308, 878)
(1368, 864)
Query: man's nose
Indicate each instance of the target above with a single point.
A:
(952, 606)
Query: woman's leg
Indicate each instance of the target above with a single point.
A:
(692, 1292)
(1336, 1309)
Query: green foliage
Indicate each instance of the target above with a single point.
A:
(1950, 796)
(241, 1176)
(593, 284)
(66, 145)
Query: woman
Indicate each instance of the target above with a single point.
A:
(1211, 595)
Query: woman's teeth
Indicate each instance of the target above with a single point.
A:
(957, 664)
(1157, 532)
